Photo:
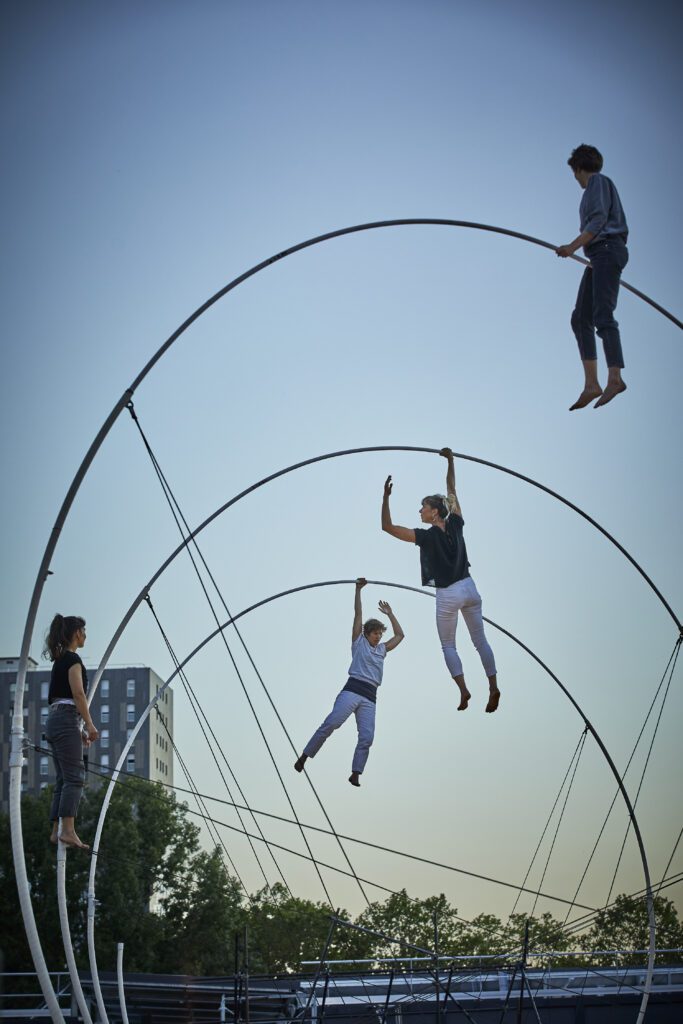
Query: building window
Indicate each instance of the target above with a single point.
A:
(104, 762)
(157, 764)
(44, 712)
(43, 766)
(13, 689)
(104, 713)
(104, 738)
(104, 689)
(43, 786)
(130, 762)
(129, 733)
(130, 713)
(44, 690)
(130, 688)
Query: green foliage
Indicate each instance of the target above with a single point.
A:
(178, 909)
(625, 925)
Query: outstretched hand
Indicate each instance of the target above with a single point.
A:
(387, 487)
(564, 251)
(361, 582)
(385, 607)
(447, 453)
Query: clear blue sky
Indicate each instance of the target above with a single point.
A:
(152, 153)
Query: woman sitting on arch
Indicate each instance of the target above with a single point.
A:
(444, 565)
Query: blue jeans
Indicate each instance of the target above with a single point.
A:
(63, 733)
(597, 300)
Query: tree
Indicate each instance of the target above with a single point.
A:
(412, 923)
(625, 926)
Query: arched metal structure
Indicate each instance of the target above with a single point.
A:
(17, 730)
(399, 586)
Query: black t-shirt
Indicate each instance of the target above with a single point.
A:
(443, 555)
(59, 680)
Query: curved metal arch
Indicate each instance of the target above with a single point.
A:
(17, 730)
(334, 455)
(398, 586)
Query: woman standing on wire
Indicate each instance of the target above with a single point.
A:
(444, 565)
(359, 696)
(69, 711)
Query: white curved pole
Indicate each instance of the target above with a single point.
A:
(16, 761)
(119, 975)
(66, 935)
(95, 852)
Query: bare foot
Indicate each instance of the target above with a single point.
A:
(589, 394)
(354, 778)
(54, 838)
(72, 840)
(299, 764)
(464, 700)
(494, 700)
(610, 392)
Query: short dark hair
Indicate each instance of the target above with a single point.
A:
(438, 503)
(371, 625)
(585, 158)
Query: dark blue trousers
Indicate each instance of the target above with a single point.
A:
(597, 300)
(63, 733)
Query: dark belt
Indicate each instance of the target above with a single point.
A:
(362, 689)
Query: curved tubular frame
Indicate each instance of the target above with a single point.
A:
(17, 731)
(334, 455)
(76, 986)
(416, 590)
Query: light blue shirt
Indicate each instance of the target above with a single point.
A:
(601, 211)
(367, 662)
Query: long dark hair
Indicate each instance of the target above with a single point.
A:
(60, 634)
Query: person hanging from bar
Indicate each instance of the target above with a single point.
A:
(444, 565)
(359, 696)
(69, 726)
(604, 234)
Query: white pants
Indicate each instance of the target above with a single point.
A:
(462, 597)
(345, 705)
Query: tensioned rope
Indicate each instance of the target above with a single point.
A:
(178, 516)
(103, 772)
(175, 507)
(645, 766)
(549, 819)
(669, 667)
(560, 817)
(204, 724)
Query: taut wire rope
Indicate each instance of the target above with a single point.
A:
(560, 817)
(549, 819)
(672, 656)
(170, 497)
(203, 725)
(645, 766)
(178, 516)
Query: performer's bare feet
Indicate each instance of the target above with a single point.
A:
(494, 700)
(299, 764)
(465, 696)
(354, 778)
(54, 838)
(610, 392)
(588, 395)
(71, 839)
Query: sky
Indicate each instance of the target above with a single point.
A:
(155, 152)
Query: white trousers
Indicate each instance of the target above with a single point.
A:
(462, 597)
(345, 705)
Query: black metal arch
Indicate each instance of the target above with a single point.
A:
(43, 571)
(400, 586)
(334, 455)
